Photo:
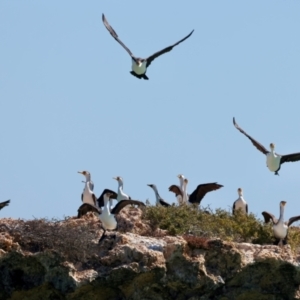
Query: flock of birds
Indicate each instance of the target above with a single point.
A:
(103, 206)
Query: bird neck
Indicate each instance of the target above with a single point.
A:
(87, 187)
(184, 188)
(181, 183)
(156, 194)
(88, 177)
(281, 214)
(120, 187)
(106, 207)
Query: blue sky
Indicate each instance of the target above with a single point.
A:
(68, 102)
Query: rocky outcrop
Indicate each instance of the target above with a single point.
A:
(128, 265)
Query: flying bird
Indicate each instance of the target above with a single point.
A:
(140, 65)
(240, 203)
(274, 160)
(280, 228)
(159, 200)
(198, 194)
(4, 203)
(107, 216)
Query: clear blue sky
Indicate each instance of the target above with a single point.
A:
(68, 102)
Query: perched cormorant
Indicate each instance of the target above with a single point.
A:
(159, 200)
(107, 217)
(280, 228)
(240, 203)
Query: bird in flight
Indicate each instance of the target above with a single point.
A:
(274, 160)
(140, 65)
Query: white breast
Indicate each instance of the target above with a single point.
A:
(139, 70)
(108, 220)
(87, 197)
(240, 204)
(122, 196)
(180, 200)
(273, 162)
(280, 230)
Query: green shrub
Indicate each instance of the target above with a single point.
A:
(178, 220)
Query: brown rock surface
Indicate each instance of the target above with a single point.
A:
(42, 259)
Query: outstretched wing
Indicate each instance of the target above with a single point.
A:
(85, 208)
(268, 217)
(165, 50)
(259, 146)
(100, 200)
(290, 157)
(121, 204)
(176, 190)
(293, 219)
(114, 35)
(201, 190)
(3, 204)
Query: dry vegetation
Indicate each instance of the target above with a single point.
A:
(72, 238)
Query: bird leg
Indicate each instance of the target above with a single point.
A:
(102, 236)
(115, 235)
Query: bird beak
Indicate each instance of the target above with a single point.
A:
(80, 172)
(149, 185)
(115, 178)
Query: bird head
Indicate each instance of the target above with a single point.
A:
(240, 191)
(272, 146)
(139, 61)
(85, 173)
(108, 194)
(118, 178)
(282, 203)
(180, 176)
(185, 181)
(151, 185)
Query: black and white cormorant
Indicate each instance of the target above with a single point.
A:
(88, 195)
(198, 194)
(280, 228)
(274, 160)
(87, 207)
(140, 65)
(107, 216)
(159, 200)
(240, 203)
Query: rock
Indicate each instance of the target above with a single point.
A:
(62, 260)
